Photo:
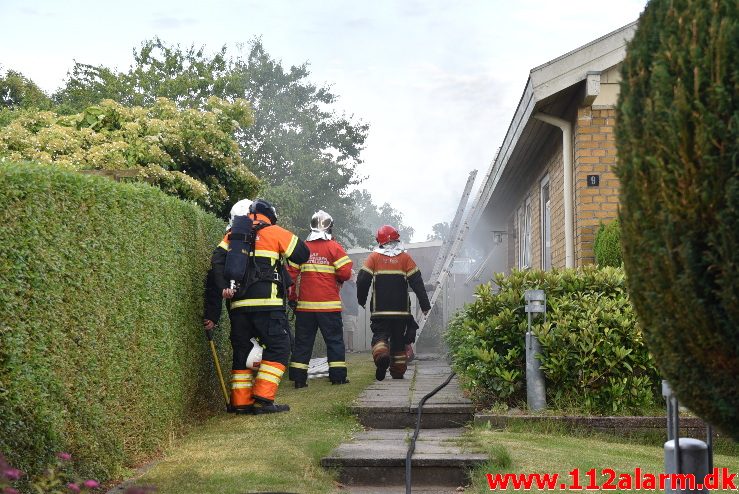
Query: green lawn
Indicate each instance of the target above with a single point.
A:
(280, 452)
(536, 451)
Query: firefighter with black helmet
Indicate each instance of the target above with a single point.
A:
(256, 304)
(390, 270)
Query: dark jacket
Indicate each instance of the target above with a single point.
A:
(390, 277)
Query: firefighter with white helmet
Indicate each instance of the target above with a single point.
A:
(316, 291)
(256, 302)
(392, 270)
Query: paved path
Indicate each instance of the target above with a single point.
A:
(374, 461)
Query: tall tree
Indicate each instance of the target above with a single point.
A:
(677, 134)
(373, 217)
(18, 91)
(304, 151)
(440, 231)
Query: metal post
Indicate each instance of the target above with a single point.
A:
(535, 387)
(709, 442)
(683, 455)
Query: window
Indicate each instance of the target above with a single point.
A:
(546, 226)
(524, 235)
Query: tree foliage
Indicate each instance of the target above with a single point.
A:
(373, 217)
(18, 91)
(187, 153)
(305, 152)
(678, 144)
(440, 231)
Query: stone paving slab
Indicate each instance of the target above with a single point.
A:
(378, 457)
(393, 403)
(374, 461)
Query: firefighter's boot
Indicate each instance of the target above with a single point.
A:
(381, 356)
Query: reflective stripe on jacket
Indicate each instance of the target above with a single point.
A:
(273, 244)
(389, 277)
(318, 280)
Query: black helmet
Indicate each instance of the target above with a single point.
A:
(260, 206)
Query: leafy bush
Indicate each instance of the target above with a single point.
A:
(607, 245)
(593, 356)
(102, 352)
(676, 135)
(190, 153)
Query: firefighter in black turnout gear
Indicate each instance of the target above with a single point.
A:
(390, 271)
(256, 303)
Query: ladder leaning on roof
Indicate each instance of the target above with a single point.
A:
(446, 256)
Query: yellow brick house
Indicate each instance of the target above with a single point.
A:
(552, 182)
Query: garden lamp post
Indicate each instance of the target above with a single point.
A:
(536, 303)
(685, 455)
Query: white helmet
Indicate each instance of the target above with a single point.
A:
(320, 226)
(321, 221)
(241, 208)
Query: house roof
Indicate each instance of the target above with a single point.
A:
(558, 79)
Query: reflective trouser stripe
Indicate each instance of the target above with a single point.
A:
(398, 365)
(241, 388)
(379, 349)
(298, 371)
(337, 364)
(268, 379)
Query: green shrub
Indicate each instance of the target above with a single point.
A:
(593, 356)
(678, 146)
(190, 153)
(607, 246)
(102, 352)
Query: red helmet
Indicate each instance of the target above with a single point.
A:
(386, 233)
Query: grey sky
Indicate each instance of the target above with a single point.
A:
(437, 81)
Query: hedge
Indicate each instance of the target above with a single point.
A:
(102, 352)
(593, 356)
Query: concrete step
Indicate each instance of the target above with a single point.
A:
(377, 457)
(393, 403)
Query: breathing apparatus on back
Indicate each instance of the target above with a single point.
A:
(240, 269)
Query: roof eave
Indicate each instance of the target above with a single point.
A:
(545, 81)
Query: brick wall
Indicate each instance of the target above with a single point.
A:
(553, 169)
(595, 154)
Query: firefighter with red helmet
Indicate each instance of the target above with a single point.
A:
(390, 270)
(256, 306)
(316, 291)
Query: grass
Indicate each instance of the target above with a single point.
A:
(276, 453)
(522, 451)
